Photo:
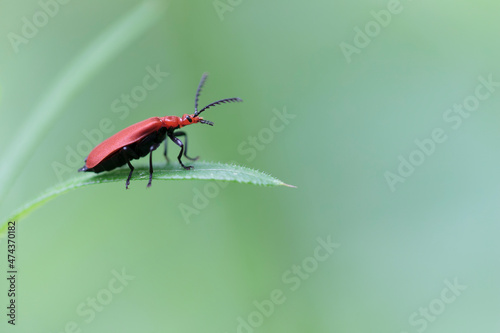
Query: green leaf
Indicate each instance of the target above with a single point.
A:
(202, 170)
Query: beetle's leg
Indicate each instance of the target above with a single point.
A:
(181, 133)
(129, 154)
(151, 164)
(179, 143)
(127, 183)
(165, 150)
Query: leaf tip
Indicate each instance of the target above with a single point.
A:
(288, 185)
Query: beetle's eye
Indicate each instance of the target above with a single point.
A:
(189, 119)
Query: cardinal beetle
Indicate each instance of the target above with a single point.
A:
(140, 139)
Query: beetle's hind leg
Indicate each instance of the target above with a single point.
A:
(165, 150)
(127, 183)
(181, 133)
(151, 164)
(128, 154)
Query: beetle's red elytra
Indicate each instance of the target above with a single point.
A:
(144, 137)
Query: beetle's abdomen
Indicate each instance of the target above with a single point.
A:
(132, 151)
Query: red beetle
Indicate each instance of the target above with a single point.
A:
(140, 139)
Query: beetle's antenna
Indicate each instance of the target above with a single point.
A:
(221, 101)
(198, 91)
(203, 121)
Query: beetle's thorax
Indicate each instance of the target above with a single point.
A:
(170, 122)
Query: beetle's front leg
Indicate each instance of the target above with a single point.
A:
(180, 144)
(182, 133)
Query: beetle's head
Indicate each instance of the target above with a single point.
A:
(195, 118)
(189, 119)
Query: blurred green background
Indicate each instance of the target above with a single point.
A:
(362, 82)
